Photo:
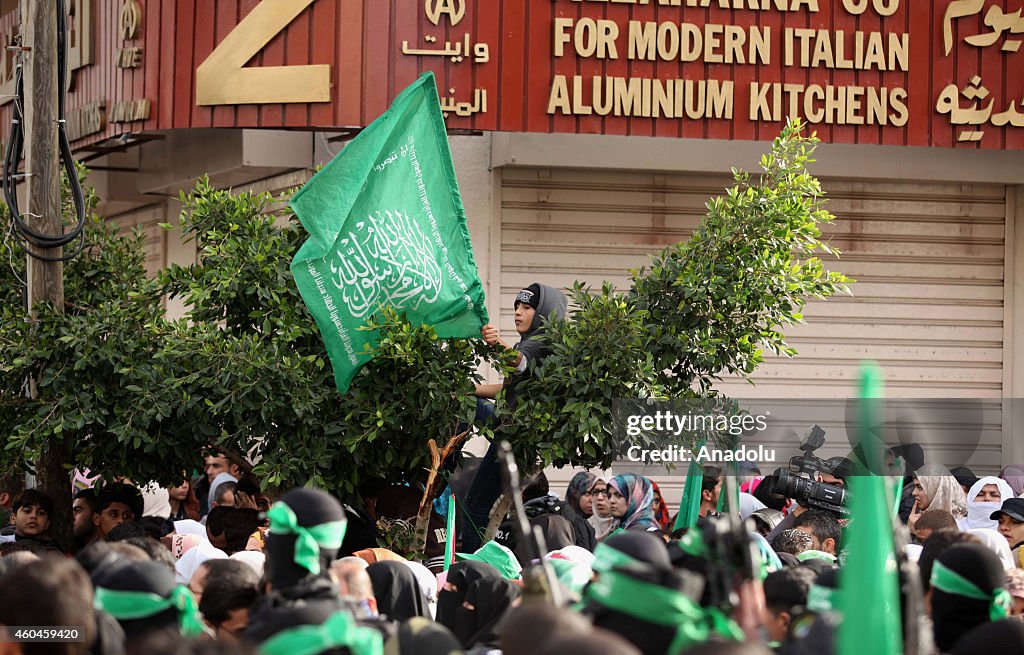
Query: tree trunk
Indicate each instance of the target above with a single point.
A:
(430, 491)
(54, 480)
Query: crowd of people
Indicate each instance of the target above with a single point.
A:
(221, 564)
(217, 565)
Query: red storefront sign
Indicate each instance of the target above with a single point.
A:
(946, 73)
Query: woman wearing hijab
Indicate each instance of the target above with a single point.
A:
(985, 497)
(602, 519)
(580, 497)
(631, 498)
(487, 602)
(398, 594)
(146, 601)
(660, 510)
(374, 555)
(936, 488)
(461, 576)
(966, 591)
(1014, 476)
(427, 582)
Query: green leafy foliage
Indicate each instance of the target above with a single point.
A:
(702, 308)
(245, 371)
(714, 302)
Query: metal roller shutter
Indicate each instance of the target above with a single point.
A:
(928, 259)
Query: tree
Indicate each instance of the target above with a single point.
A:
(703, 308)
(131, 393)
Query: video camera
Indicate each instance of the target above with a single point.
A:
(807, 465)
(810, 493)
(799, 481)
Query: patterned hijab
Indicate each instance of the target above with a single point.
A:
(581, 483)
(942, 489)
(639, 494)
(662, 516)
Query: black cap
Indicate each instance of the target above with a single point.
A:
(1012, 507)
(530, 295)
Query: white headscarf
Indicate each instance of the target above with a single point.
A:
(217, 481)
(748, 505)
(251, 558)
(186, 567)
(573, 554)
(978, 513)
(996, 543)
(427, 582)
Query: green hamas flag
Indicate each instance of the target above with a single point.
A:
(387, 228)
(869, 596)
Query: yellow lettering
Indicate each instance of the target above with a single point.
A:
(222, 79)
(559, 97)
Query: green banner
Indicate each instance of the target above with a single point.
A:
(387, 228)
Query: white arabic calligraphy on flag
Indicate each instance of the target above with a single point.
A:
(387, 260)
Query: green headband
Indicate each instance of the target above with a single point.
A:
(951, 582)
(822, 599)
(692, 543)
(606, 558)
(816, 554)
(310, 539)
(653, 603)
(339, 630)
(131, 605)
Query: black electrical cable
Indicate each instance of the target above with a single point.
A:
(24, 235)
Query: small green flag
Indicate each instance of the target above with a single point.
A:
(449, 544)
(387, 228)
(869, 582)
(689, 505)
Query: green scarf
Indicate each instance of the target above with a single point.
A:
(951, 582)
(607, 558)
(131, 605)
(310, 539)
(338, 630)
(653, 603)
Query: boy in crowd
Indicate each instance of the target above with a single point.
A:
(83, 508)
(932, 520)
(30, 515)
(1011, 525)
(824, 530)
(710, 490)
(532, 305)
(116, 503)
(785, 596)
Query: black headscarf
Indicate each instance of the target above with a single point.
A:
(149, 577)
(954, 615)
(311, 508)
(421, 636)
(642, 546)
(398, 594)
(1004, 636)
(491, 599)
(461, 575)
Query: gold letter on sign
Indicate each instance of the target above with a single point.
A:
(435, 8)
(222, 80)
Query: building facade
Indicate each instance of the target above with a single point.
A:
(588, 134)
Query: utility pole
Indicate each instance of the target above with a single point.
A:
(42, 166)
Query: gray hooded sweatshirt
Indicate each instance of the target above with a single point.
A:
(552, 304)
